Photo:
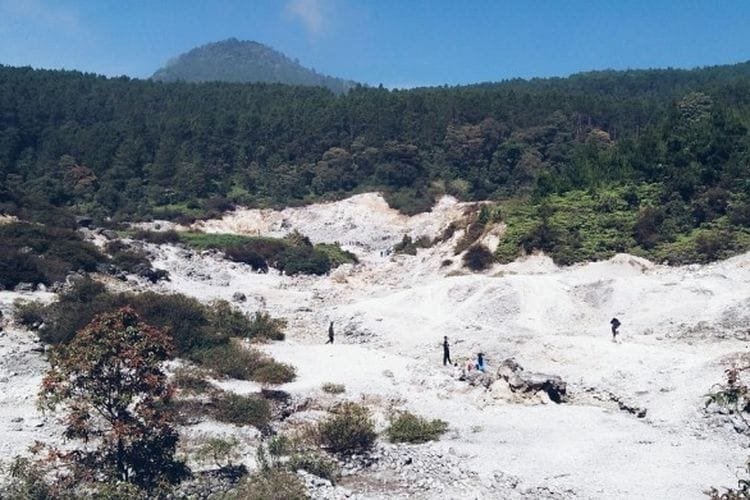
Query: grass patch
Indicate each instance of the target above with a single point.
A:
(157, 237)
(293, 254)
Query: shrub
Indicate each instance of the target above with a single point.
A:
(192, 381)
(242, 410)
(230, 360)
(29, 314)
(409, 247)
(264, 326)
(303, 260)
(332, 388)
(348, 429)
(406, 427)
(218, 451)
(336, 256)
(35, 253)
(270, 371)
(409, 201)
(227, 321)
(235, 361)
(269, 484)
(248, 256)
(478, 258)
(648, 227)
(405, 246)
(126, 258)
(186, 319)
(316, 464)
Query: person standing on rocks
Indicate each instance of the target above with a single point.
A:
(330, 333)
(615, 325)
(446, 352)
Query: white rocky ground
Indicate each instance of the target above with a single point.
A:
(681, 328)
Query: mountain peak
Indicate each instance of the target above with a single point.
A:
(244, 61)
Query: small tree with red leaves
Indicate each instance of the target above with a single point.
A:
(115, 398)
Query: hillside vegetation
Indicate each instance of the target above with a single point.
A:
(657, 159)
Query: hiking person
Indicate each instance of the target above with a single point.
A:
(446, 352)
(330, 333)
(480, 363)
(615, 325)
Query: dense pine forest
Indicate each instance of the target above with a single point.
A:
(652, 162)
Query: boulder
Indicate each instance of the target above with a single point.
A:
(84, 221)
(24, 287)
(239, 297)
(530, 383)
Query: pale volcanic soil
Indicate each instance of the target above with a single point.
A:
(681, 327)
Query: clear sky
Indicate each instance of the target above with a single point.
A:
(399, 43)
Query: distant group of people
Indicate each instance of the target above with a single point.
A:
(478, 364)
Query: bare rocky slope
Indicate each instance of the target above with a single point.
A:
(632, 425)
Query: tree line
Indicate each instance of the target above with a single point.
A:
(124, 148)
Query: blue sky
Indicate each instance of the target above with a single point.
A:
(401, 43)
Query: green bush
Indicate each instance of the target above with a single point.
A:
(29, 314)
(269, 484)
(336, 256)
(218, 451)
(409, 247)
(235, 361)
(270, 371)
(126, 258)
(406, 427)
(33, 253)
(229, 321)
(349, 429)
(409, 201)
(185, 318)
(332, 388)
(303, 260)
(263, 326)
(242, 410)
(478, 257)
(192, 381)
(230, 360)
(316, 464)
(246, 255)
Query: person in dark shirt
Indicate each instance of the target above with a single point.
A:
(330, 333)
(446, 352)
(615, 325)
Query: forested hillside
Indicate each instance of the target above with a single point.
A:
(239, 61)
(654, 162)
